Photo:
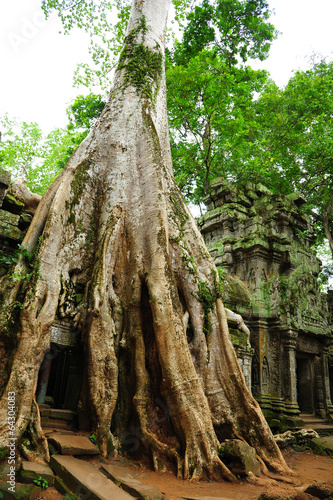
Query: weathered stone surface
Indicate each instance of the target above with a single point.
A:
(129, 481)
(84, 479)
(24, 221)
(60, 419)
(9, 226)
(262, 241)
(4, 177)
(69, 444)
(31, 471)
(4, 183)
(300, 437)
(22, 491)
(5, 468)
(61, 487)
(241, 458)
(322, 445)
(11, 204)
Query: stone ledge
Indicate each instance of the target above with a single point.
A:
(82, 478)
(69, 444)
(129, 481)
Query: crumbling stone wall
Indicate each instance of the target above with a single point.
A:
(14, 223)
(65, 350)
(262, 242)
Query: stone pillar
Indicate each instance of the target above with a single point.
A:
(326, 383)
(244, 357)
(290, 378)
(319, 388)
(43, 380)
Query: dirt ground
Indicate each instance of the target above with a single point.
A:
(308, 469)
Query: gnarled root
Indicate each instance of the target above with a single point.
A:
(35, 448)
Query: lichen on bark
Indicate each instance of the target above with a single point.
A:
(142, 64)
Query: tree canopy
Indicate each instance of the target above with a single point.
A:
(294, 140)
(211, 112)
(238, 29)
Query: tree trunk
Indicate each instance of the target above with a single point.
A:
(158, 357)
(326, 220)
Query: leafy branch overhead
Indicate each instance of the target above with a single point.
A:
(238, 29)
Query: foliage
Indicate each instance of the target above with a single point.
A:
(7, 260)
(84, 110)
(294, 137)
(325, 277)
(105, 22)
(41, 482)
(92, 438)
(238, 29)
(211, 93)
(26, 152)
(20, 145)
(211, 111)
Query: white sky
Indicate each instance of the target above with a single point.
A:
(37, 63)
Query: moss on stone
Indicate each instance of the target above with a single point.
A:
(238, 338)
(320, 447)
(236, 292)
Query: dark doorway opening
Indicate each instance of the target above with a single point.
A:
(60, 378)
(305, 383)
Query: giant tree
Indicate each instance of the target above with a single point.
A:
(157, 350)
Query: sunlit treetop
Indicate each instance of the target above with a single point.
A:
(238, 29)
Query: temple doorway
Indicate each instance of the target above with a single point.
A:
(305, 383)
(60, 378)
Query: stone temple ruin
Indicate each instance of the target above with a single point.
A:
(262, 244)
(61, 372)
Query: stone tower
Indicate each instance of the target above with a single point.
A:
(262, 242)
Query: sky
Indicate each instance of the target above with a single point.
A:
(38, 63)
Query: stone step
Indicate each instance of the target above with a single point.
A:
(130, 482)
(308, 418)
(324, 430)
(83, 479)
(70, 444)
(59, 419)
(30, 471)
(320, 425)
